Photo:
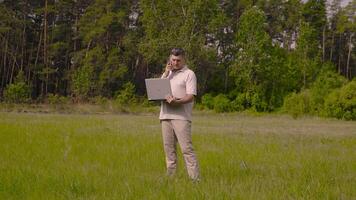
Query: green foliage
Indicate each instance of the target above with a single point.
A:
(55, 99)
(101, 19)
(99, 100)
(259, 102)
(126, 96)
(207, 100)
(311, 101)
(178, 23)
(341, 103)
(222, 103)
(98, 74)
(86, 78)
(307, 54)
(314, 12)
(253, 44)
(253, 52)
(297, 104)
(102, 69)
(146, 103)
(19, 91)
(259, 69)
(327, 81)
(219, 103)
(241, 102)
(112, 73)
(81, 82)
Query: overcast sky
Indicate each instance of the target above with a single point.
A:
(343, 2)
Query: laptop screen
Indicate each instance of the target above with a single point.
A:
(158, 88)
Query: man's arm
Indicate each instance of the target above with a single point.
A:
(175, 101)
(167, 71)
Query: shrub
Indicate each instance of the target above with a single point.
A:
(207, 101)
(126, 96)
(146, 103)
(82, 82)
(258, 103)
(98, 100)
(341, 103)
(240, 102)
(222, 103)
(297, 104)
(19, 91)
(57, 99)
(322, 87)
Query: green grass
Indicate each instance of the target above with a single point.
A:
(54, 156)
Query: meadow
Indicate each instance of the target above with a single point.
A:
(120, 156)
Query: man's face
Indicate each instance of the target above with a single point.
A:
(177, 62)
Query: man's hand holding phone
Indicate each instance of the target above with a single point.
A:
(168, 68)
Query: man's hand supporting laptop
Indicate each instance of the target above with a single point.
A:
(177, 101)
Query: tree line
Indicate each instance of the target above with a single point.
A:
(251, 52)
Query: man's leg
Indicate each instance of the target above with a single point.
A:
(182, 129)
(169, 144)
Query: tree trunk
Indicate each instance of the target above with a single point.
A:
(13, 67)
(23, 43)
(67, 69)
(38, 49)
(348, 74)
(1, 62)
(339, 62)
(45, 85)
(88, 48)
(226, 82)
(3, 81)
(75, 33)
(332, 47)
(29, 64)
(324, 43)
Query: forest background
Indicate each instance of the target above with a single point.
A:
(259, 55)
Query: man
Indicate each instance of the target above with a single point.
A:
(176, 114)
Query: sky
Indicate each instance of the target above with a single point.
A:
(343, 2)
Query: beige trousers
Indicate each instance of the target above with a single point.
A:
(179, 130)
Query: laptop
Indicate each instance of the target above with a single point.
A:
(158, 88)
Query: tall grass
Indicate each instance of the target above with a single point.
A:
(53, 156)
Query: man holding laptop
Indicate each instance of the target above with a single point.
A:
(176, 114)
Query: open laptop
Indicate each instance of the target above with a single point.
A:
(158, 88)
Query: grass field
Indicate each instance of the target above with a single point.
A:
(54, 156)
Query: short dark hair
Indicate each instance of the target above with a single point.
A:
(177, 52)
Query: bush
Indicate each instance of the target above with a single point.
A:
(82, 82)
(126, 96)
(19, 91)
(341, 103)
(222, 103)
(322, 87)
(99, 100)
(146, 103)
(258, 103)
(297, 104)
(240, 102)
(207, 101)
(55, 99)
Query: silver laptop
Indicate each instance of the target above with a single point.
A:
(158, 88)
